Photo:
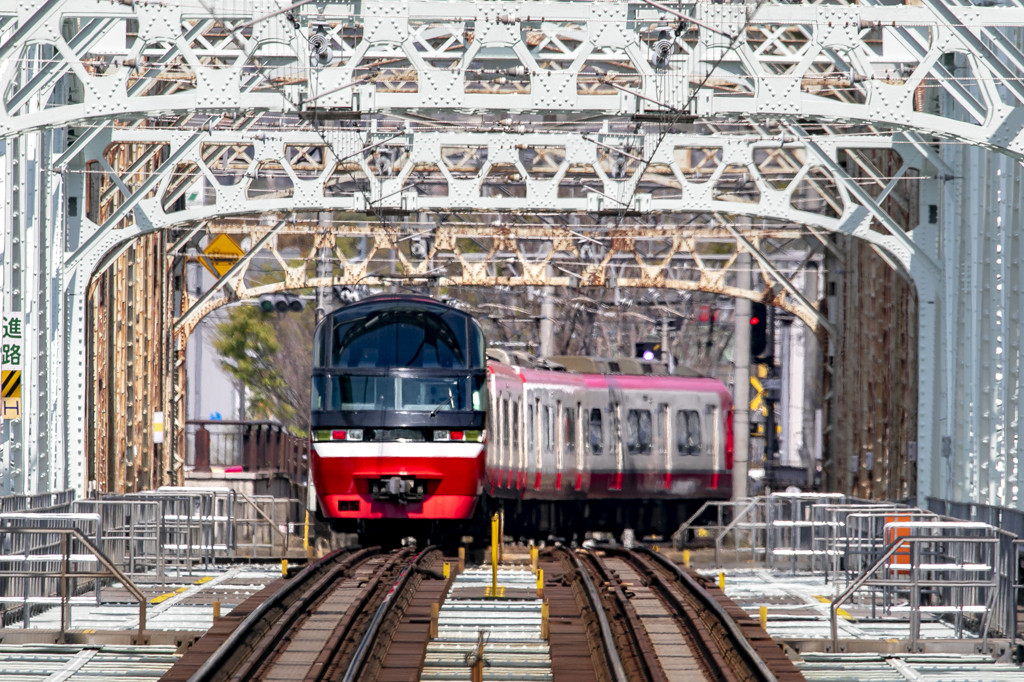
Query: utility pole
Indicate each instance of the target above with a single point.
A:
(547, 322)
(741, 390)
(666, 352)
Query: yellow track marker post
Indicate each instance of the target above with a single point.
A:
(534, 557)
(544, 615)
(762, 616)
(447, 569)
(284, 568)
(216, 611)
(435, 614)
(495, 529)
(686, 558)
(462, 559)
(540, 583)
(721, 581)
(305, 534)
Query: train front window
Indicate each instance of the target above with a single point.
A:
(432, 393)
(410, 394)
(403, 338)
(362, 393)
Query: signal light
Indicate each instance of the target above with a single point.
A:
(758, 329)
(282, 303)
(337, 435)
(458, 435)
(649, 351)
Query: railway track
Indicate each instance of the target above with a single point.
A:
(669, 627)
(600, 615)
(322, 624)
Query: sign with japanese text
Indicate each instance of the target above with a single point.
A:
(11, 347)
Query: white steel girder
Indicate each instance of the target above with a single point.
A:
(313, 165)
(88, 63)
(551, 57)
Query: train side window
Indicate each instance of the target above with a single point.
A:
(661, 434)
(531, 436)
(688, 432)
(515, 431)
(711, 412)
(545, 428)
(570, 430)
(318, 394)
(320, 346)
(504, 429)
(638, 432)
(596, 433)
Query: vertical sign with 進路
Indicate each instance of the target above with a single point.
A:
(11, 339)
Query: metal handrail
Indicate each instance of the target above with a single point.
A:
(890, 550)
(721, 536)
(115, 572)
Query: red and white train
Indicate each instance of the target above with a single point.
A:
(418, 431)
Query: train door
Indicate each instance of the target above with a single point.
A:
(513, 453)
(615, 429)
(547, 440)
(559, 444)
(571, 445)
(532, 450)
(713, 441)
(505, 457)
(581, 445)
(662, 439)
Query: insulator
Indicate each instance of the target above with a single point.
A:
(661, 51)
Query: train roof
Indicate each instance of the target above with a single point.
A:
(585, 364)
(384, 301)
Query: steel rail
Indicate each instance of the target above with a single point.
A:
(739, 640)
(632, 627)
(611, 653)
(215, 664)
(359, 657)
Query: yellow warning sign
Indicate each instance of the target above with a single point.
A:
(10, 394)
(221, 254)
(758, 402)
(10, 383)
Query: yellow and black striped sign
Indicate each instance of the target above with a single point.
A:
(10, 383)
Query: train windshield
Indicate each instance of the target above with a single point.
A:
(403, 338)
(406, 356)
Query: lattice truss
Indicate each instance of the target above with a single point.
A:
(512, 189)
(861, 63)
(699, 256)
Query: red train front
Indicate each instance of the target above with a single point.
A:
(403, 401)
(398, 412)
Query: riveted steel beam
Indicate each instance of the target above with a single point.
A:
(401, 58)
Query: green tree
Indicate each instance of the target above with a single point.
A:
(271, 355)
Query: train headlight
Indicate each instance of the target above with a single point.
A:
(442, 436)
(355, 434)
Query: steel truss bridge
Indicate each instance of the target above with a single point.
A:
(573, 144)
